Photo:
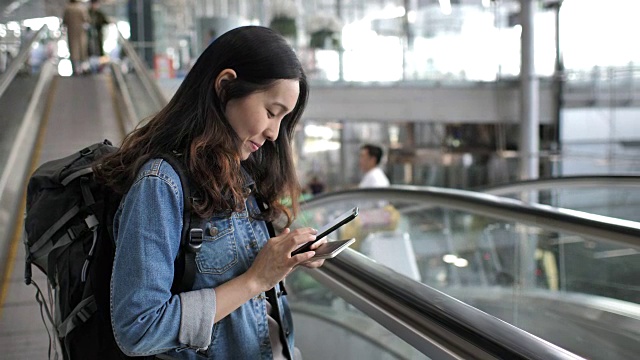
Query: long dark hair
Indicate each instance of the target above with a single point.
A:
(194, 124)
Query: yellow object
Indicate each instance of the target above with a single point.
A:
(370, 221)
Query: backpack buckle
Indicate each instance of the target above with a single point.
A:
(85, 152)
(91, 221)
(195, 240)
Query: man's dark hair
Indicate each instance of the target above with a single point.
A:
(373, 150)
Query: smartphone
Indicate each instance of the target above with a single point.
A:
(328, 229)
(331, 249)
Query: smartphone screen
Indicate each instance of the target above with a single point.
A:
(328, 229)
(331, 249)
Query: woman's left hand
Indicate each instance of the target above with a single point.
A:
(311, 263)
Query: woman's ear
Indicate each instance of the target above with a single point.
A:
(225, 75)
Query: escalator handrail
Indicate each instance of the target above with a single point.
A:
(13, 176)
(152, 87)
(125, 97)
(19, 61)
(590, 181)
(435, 323)
(591, 226)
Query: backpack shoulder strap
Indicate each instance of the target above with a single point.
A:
(190, 238)
(263, 207)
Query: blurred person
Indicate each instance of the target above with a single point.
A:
(25, 40)
(4, 58)
(97, 21)
(211, 36)
(38, 56)
(315, 186)
(231, 122)
(26, 36)
(369, 161)
(76, 20)
(375, 215)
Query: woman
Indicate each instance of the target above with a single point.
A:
(232, 120)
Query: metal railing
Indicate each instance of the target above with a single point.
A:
(583, 224)
(17, 165)
(19, 61)
(150, 85)
(436, 324)
(153, 93)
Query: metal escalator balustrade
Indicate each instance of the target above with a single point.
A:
(21, 63)
(23, 93)
(139, 96)
(566, 277)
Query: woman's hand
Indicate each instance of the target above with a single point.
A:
(274, 261)
(311, 263)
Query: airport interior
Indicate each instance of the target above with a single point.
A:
(511, 138)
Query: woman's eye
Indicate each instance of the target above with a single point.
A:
(270, 114)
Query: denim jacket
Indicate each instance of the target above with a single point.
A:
(146, 317)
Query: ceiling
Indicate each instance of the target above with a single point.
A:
(14, 10)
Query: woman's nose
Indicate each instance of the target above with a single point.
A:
(271, 132)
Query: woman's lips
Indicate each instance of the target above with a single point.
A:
(254, 146)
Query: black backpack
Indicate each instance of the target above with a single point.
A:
(69, 236)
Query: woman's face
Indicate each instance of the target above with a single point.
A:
(256, 118)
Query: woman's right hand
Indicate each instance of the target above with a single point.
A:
(274, 261)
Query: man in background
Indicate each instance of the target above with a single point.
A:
(98, 20)
(376, 216)
(370, 156)
(76, 21)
